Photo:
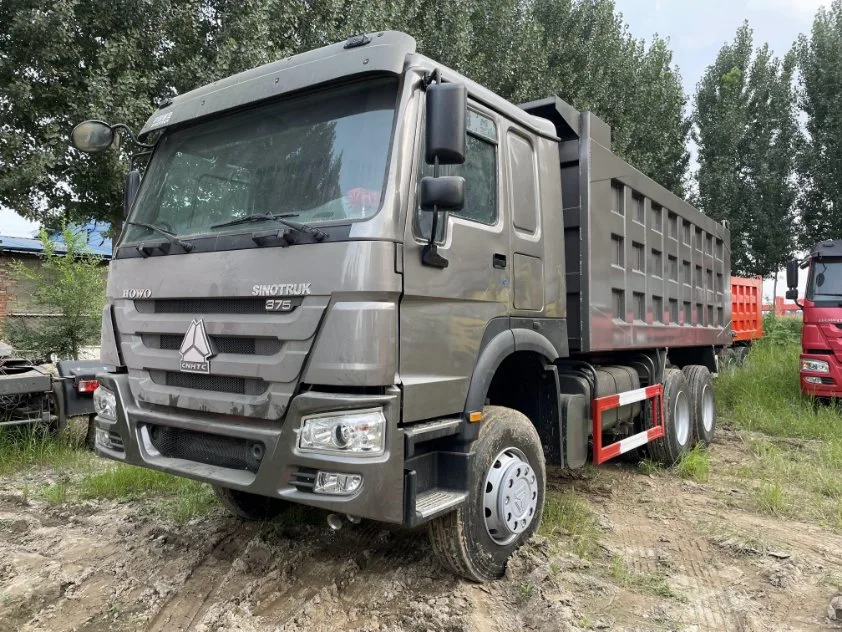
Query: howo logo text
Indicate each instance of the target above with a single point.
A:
(137, 293)
(196, 350)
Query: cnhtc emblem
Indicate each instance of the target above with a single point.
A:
(196, 350)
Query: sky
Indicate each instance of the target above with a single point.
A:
(696, 29)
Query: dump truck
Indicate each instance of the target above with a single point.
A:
(821, 335)
(355, 279)
(746, 318)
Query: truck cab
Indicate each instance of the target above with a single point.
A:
(357, 280)
(821, 335)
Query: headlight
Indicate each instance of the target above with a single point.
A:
(815, 366)
(355, 433)
(105, 404)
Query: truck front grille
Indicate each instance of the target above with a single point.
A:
(202, 306)
(199, 306)
(216, 383)
(230, 452)
(223, 344)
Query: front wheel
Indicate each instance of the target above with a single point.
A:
(506, 486)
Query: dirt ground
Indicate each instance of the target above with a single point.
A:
(671, 555)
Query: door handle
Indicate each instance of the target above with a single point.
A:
(499, 261)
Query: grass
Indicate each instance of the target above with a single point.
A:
(566, 514)
(647, 583)
(24, 447)
(80, 476)
(695, 464)
(795, 443)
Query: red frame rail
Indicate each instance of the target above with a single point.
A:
(653, 393)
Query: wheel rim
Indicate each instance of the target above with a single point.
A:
(510, 498)
(681, 418)
(708, 408)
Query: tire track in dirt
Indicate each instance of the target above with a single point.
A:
(204, 584)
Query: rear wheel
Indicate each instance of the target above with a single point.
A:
(505, 501)
(58, 418)
(741, 353)
(250, 506)
(678, 429)
(703, 402)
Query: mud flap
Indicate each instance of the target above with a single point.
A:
(574, 419)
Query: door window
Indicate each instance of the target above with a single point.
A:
(480, 173)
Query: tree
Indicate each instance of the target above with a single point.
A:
(747, 136)
(595, 64)
(63, 61)
(820, 98)
(72, 285)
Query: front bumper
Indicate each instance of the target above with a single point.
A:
(282, 470)
(830, 383)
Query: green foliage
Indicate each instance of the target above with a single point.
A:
(782, 330)
(566, 514)
(64, 61)
(594, 63)
(748, 137)
(71, 284)
(694, 464)
(26, 447)
(820, 98)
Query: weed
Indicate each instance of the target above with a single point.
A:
(24, 447)
(565, 513)
(770, 498)
(525, 593)
(56, 493)
(649, 467)
(694, 464)
(647, 583)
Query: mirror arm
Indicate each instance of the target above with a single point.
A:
(430, 253)
(122, 127)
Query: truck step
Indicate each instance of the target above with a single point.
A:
(435, 502)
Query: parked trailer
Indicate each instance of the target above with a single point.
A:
(746, 317)
(468, 290)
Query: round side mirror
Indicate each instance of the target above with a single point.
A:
(92, 136)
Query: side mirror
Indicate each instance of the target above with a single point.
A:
(130, 190)
(445, 193)
(447, 111)
(92, 136)
(791, 295)
(792, 276)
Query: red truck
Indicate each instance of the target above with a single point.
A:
(821, 336)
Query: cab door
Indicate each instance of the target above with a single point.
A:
(444, 312)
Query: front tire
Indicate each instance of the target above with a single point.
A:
(506, 486)
(250, 506)
(678, 426)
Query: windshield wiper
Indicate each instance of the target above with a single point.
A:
(169, 236)
(280, 218)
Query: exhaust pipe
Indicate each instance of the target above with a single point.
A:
(334, 521)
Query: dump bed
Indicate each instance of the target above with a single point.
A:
(644, 269)
(746, 308)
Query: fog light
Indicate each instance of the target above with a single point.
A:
(815, 366)
(357, 433)
(103, 440)
(810, 379)
(105, 403)
(336, 483)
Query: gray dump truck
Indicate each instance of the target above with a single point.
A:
(356, 280)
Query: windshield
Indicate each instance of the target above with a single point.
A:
(825, 280)
(319, 158)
